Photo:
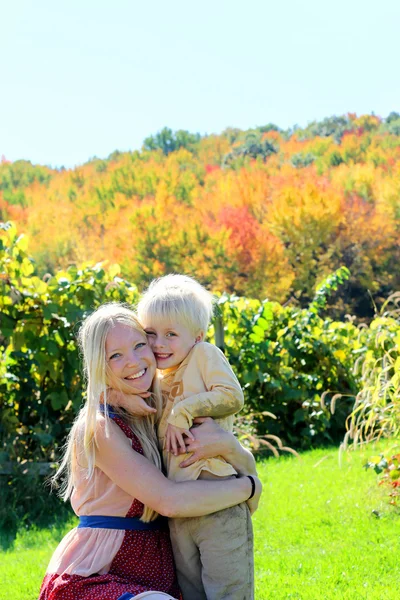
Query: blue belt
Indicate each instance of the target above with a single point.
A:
(127, 523)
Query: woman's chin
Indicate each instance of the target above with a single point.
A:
(139, 385)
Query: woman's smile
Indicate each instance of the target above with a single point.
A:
(129, 358)
(136, 375)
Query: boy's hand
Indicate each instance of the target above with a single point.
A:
(174, 441)
(132, 403)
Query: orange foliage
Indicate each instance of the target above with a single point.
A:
(271, 226)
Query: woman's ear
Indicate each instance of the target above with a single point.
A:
(199, 337)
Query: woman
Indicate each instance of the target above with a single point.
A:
(121, 549)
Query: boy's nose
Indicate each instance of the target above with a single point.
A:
(158, 342)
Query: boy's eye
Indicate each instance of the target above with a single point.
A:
(171, 334)
(148, 333)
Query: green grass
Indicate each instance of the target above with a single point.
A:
(316, 536)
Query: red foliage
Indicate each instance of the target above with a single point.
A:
(211, 168)
(243, 230)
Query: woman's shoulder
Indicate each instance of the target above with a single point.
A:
(101, 428)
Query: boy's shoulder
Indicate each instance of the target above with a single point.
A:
(207, 351)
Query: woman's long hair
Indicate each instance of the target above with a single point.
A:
(82, 437)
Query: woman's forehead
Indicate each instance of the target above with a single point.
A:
(121, 334)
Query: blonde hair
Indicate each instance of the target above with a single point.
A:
(82, 437)
(177, 298)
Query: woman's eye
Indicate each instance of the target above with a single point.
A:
(140, 345)
(116, 355)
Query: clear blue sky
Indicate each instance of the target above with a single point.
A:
(81, 78)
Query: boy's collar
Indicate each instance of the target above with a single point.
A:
(170, 371)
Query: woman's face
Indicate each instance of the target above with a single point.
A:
(130, 359)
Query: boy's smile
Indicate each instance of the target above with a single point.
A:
(171, 342)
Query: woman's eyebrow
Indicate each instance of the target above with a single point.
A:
(113, 350)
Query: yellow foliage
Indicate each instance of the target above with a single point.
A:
(270, 227)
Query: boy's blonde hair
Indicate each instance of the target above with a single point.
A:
(82, 438)
(177, 298)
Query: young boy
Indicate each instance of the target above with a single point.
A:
(214, 553)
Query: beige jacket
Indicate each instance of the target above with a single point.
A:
(203, 385)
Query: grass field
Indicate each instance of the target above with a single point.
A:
(316, 535)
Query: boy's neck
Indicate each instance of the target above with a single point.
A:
(170, 370)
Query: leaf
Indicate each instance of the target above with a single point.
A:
(58, 400)
(50, 310)
(22, 242)
(58, 338)
(299, 416)
(340, 355)
(258, 331)
(256, 338)
(114, 270)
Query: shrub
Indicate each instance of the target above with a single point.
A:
(40, 376)
(376, 410)
(286, 358)
(389, 468)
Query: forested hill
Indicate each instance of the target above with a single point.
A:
(261, 213)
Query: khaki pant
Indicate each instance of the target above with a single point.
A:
(214, 555)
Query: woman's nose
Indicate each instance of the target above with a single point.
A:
(133, 358)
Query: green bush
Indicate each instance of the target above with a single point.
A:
(286, 359)
(376, 410)
(40, 375)
(292, 363)
(25, 499)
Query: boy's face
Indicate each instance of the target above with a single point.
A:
(171, 342)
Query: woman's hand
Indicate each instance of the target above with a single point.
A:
(132, 403)
(209, 439)
(253, 502)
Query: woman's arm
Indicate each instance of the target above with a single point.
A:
(139, 478)
(211, 440)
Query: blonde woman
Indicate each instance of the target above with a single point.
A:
(121, 548)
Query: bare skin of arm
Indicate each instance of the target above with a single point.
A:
(138, 477)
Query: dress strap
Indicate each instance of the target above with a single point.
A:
(126, 523)
(110, 409)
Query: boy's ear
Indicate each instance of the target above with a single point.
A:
(199, 337)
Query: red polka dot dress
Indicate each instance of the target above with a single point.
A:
(109, 564)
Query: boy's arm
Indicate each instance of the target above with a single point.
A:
(224, 396)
